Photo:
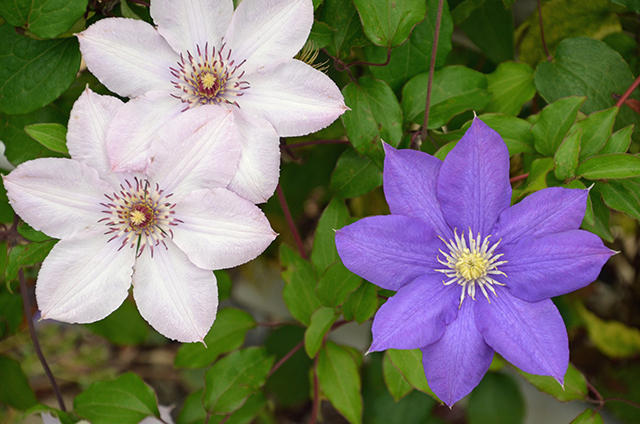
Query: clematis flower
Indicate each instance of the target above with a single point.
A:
(163, 230)
(203, 53)
(473, 275)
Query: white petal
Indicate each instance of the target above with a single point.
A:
(199, 149)
(259, 167)
(128, 56)
(59, 197)
(84, 278)
(135, 126)
(176, 297)
(90, 118)
(266, 31)
(296, 98)
(187, 23)
(220, 229)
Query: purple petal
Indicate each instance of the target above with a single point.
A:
(549, 266)
(456, 363)
(410, 179)
(473, 185)
(415, 316)
(390, 251)
(549, 211)
(530, 335)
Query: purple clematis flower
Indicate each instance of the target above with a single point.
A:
(473, 274)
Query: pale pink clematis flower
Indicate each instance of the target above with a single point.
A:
(163, 230)
(203, 53)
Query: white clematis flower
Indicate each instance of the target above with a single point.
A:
(163, 230)
(203, 53)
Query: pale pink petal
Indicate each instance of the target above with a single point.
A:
(187, 23)
(128, 56)
(135, 126)
(84, 278)
(259, 167)
(59, 197)
(219, 229)
(198, 149)
(90, 119)
(294, 97)
(176, 297)
(267, 31)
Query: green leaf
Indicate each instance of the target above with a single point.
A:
(125, 400)
(619, 141)
(15, 390)
(335, 284)
(464, 9)
(515, 132)
(589, 416)
(409, 363)
(343, 17)
(555, 121)
(51, 136)
(27, 255)
(340, 381)
(375, 115)
(618, 196)
(612, 338)
(34, 73)
(123, 327)
(537, 179)
(591, 19)
(355, 175)
(10, 305)
(321, 322)
(566, 157)
(510, 85)
(574, 388)
(455, 89)
(587, 67)
(395, 381)
(361, 304)
(496, 400)
(414, 56)
(30, 234)
(44, 18)
(234, 378)
(127, 12)
(224, 284)
(389, 23)
(601, 215)
(616, 165)
(227, 334)
(491, 28)
(300, 285)
(324, 251)
(596, 130)
(321, 34)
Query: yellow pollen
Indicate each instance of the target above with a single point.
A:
(471, 265)
(208, 80)
(137, 217)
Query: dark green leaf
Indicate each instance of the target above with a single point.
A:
(321, 322)
(34, 73)
(254, 404)
(44, 18)
(192, 411)
(596, 130)
(361, 304)
(633, 5)
(15, 390)
(234, 378)
(617, 196)
(491, 28)
(409, 363)
(224, 284)
(299, 292)
(510, 85)
(324, 251)
(496, 400)
(566, 157)
(575, 386)
(588, 417)
(455, 90)
(321, 34)
(395, 381)
(123, 327)
(27, 255)
(226, 334)
(389, 23)
(335, 284)
(343, 17)
(464, 9)
(125, 400)
(10, 307)
(375, 115)
(6, 211)
(127, 12)
(554, 123)
(612, 338)
(355, 175)
(619, 141)
(30, 234)
(617, 165)
(601, 215)
(51, 136)
(340, 381)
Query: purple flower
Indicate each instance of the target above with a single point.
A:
(473, 275)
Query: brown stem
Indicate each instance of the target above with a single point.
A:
(285, 358)
(312, 143)
(627, 93)
(315, 407)
(432, 67)
(290, 223)
(36, 344)
(386, 62)
(225, 419)
(544, 43)
(519, 177)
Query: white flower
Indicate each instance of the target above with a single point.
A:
(204, 53)
(163, 229)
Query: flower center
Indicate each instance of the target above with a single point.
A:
(471, 265)
(139, 216)
(208, 78)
